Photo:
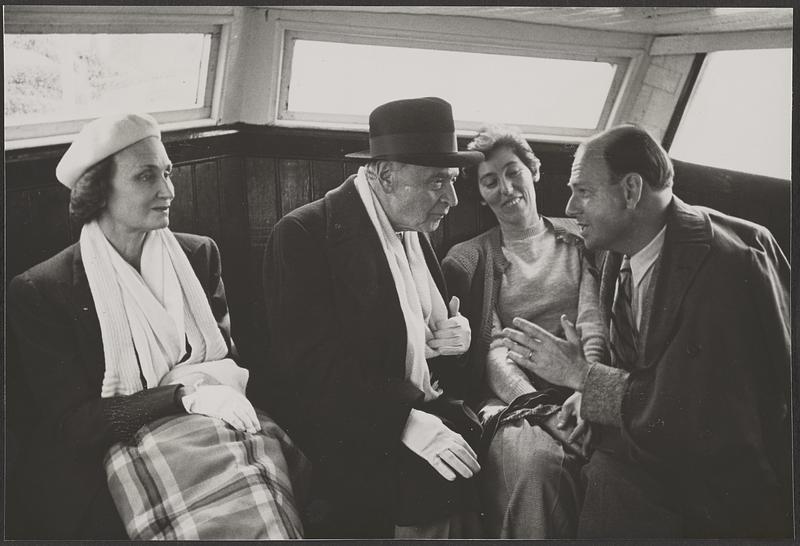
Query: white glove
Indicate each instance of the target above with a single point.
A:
(452, 336)
(445, 450)
(223, 402)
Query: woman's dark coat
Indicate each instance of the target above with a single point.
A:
(61, 482)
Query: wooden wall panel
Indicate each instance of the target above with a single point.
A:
(461, 223)
(234, 185)
(207, 209)
(235, 249)
(182, 215)
(262, 213)
(49, 220)
(34, 172)
(258, 141)
(552, 192)
(262, 198)
(760, 199)
(351, 167)
(37, 226)
(233, 203)
(325, 175)
(294, 182)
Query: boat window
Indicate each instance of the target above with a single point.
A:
(61, 73)
(739, 115)
(552, 94)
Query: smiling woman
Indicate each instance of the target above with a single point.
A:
(506, 181)
(533, 267)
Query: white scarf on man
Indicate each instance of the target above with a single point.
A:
(420, 300)
(150, 315)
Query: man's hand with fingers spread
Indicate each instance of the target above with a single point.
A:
(559, 361)
(452, 336)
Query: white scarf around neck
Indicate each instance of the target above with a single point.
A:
(151, 315)
(420, 300)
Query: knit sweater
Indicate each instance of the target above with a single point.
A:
(539, 275)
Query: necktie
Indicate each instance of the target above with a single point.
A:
(623, 326)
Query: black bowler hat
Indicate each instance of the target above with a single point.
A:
(416, 131)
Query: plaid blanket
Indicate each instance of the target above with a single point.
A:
(194, 477)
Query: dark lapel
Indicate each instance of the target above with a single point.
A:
(686, 245)
(354, 250)
(87, 316)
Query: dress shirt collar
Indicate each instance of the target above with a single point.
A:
(642, 261)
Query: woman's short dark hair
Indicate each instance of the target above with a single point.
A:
(90, 192)
(493, 137)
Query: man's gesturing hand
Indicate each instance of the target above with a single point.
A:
(559, 361)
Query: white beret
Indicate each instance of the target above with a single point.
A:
(101, 138)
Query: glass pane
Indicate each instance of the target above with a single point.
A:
(58, 77)
(740, 114)
(482, 87)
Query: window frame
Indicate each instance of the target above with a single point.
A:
(694, 81)
(125, 20)
(623, 50)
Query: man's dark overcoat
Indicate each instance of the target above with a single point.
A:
(706, 412)
(335, 380)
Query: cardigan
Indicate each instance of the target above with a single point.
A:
(473, 271)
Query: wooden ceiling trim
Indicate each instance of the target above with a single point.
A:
(704, 43)
(640, 20)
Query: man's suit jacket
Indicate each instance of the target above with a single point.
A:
(336, 378)
(60, 352)
(708, 401)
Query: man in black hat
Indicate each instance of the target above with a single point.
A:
(358, 322)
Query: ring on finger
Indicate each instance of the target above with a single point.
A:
(530, 355)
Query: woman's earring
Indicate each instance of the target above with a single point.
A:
(482, 202)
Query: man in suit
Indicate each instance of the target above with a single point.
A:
(691, 416)
(357, 312)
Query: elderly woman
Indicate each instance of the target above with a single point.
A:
(531, 267)
(124, 338)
